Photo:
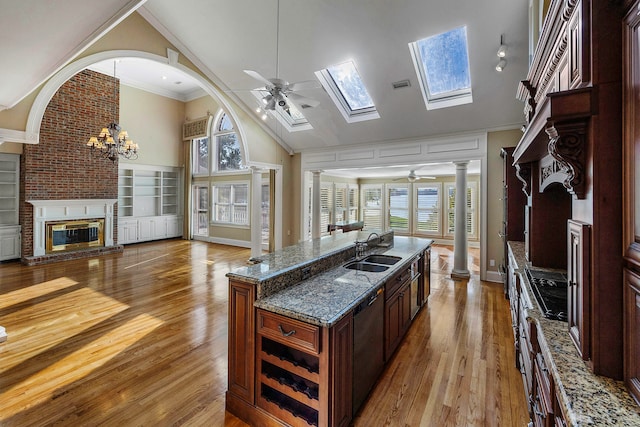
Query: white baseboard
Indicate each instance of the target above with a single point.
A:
(230, 242)
(494, 276)
(3, 334)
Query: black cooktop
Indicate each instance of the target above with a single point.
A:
(550, 289)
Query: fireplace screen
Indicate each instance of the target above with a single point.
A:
(74, 235)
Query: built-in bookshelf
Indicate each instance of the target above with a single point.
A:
(149, 203)
(9, 206)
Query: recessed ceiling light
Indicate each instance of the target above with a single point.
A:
(164, 77)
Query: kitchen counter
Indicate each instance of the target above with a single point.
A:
(331, 290)
(587, 399)
(324, 299)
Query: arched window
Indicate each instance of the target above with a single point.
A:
(228, 153)
(224, 154)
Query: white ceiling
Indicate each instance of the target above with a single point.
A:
(225, 37)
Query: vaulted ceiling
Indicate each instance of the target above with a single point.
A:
(292, 39)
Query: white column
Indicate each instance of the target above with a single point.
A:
(460, 270)
(256, 207)
(315, 224)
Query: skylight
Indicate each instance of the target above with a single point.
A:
(292, 119)
(442, 65)
(345, 87)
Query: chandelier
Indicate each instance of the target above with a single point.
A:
(113, 142)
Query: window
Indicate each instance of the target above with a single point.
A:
(226, 151)
(229, 156)
(341, 202)
(326, 206)
(398, 202)
(442, 66)
(201, 156)
(353, 203)
(471, 208)
(201, 210)
(372, 207)
(427, 199)
(231, 203)
(291, 118)
(346, 89)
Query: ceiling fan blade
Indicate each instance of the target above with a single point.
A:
(303, 85)
(303, 100)
(259, 77)
(425, 177)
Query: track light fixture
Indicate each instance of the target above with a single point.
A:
(502, 55)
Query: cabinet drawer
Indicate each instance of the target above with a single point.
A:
(291, 332)
(393, 284)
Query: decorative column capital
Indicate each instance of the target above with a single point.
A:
(567, 144)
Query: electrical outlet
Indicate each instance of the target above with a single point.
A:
(492, 263)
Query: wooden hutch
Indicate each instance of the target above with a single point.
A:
(569, 161)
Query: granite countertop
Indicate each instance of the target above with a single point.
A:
(325, 298)
(587, 399)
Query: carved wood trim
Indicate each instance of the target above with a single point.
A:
(523, 173)
(567, 144)
(551, 171)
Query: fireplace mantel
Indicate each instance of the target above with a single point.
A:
(52, 210)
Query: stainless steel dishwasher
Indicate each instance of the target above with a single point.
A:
(368, 346)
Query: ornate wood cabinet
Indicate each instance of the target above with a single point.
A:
(578, 264)
(513, 202)
(573, 141)
(631, 223)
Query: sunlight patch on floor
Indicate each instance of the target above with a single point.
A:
(52, 322)
(25, 294)
(79, 363)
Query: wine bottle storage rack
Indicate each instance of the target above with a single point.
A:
(297, 410)
(287, 379)
(295, 358)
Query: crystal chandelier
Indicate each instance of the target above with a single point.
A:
(113, 142)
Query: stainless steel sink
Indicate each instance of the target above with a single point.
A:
(366, 266)
(382, 259)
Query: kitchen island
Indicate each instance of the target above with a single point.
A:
(296, 325)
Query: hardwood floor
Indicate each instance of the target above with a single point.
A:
(140, 339)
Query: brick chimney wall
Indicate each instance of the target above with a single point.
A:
(61, 166)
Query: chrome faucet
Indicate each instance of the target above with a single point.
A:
(361, 246)
(373, 234)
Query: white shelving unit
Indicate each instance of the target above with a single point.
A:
(9, 206)
(149, 203)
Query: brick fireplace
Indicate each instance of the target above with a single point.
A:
(60, 175)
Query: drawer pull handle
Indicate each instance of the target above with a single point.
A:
(286, 334)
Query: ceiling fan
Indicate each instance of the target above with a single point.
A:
(413, 177)
(281, 90)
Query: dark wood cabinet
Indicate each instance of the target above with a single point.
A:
(425, 277)
(571, 152)
(397, 318)
(539, 386)
(513, 203)
(241, 342)
(397, 309)
(631, 221)
(578, 264)
(341, 374)
(632, 331)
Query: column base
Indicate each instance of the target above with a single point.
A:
(460, 274)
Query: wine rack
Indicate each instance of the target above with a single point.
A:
(288, 369)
